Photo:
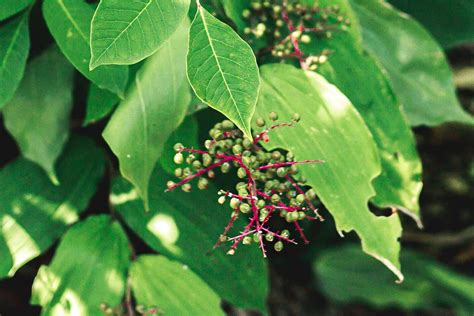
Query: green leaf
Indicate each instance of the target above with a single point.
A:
(233, 9)
(332, 130)
(11, 7)
(362, 80)
(417, 68)
(345, 276)
(125, 32)
(451, 22)
(100, 103)
(14, 48)
(185, 227)
(172, 287)
(69, 23)
(34, 212)
(88, 269)
(38, 114)
(186, 133)
(142, 123)
(222, 69)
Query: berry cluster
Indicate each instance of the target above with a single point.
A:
(287, 27)
(271, 185)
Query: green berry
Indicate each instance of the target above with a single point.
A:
(237, 149)
(206, 160)
(278, 246)
(281, 172)
(203, 183)
(178, 146)
(170, 184)
(269, 237)
(247, 240)
(226, 124)
(275, 198)
(225, 167)
(197, 164)
(247, 143)
(241, 173)
(186, 187)
(260, 122)
(296, 117)
(246, 13)
(285, 233)
(234, 203)
(310, 194)
(178, 172)
(178, 158)
(294, 216)
(221, 199)
(300, 198)
(301, 216)
(273, 116)
(244, 208)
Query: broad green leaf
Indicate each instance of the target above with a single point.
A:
(185, 227)
(100, 103)
(332, 130)
(172, 287)
(34, 212)
(153, 108)
(451, 22)
(69, 23)
(345, 276)
(38, 114)
(14, 48)
(416, 65)
(11, 7)
(363, 81)
(88, 270)
(187, 134)
(222, 69)
(125, 32)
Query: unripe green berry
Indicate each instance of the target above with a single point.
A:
(170, 184)
(221, 199)
(276, 155)
(289, 217)
(177, 147)
(301, 216)
(269, 237)
(203, 183)
(178, 158)
(278, 246)
(241, 173)
(246, 13)
(310, 194)
(305, 39)
(197, 164)
(186, 187)
(300, 198)
(281, 172)
(273, 116)
(226, 124)
(285, 233)
(178, 172)
(275, 198)
(260, 203)
(237, 149)
(260, 122)
(225, 167)
(244, 208)
(294, 216)
(247, 240)
(256, 237)
(247, 143)
(296, 117)
(234, 203)
(206, 160)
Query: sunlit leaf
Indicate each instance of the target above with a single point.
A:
(14, 48)
(185, 227)
(172, 288)
(88, 270)
(153, 108)
(332, 130)
(38, 114)
(69, 22)
(222, 69)
(417, 68)
(125, 32)
(34, 212)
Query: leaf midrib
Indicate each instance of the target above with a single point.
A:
(214, 54)
(73, 21)
(12, 43)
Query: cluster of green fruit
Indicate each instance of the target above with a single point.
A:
(270, 185)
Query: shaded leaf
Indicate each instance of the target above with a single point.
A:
(125, 32)
(451, 22)
(142, 123)
(332, 130)
(100, 103)
(172, 287)
(14, 48)
(69, 23)
(346, 276)
(11, 7)
(34, 212)
(417, 68)
(38, 114)
(95, 276)
(185, 227)
(362, 80)
(222, 69)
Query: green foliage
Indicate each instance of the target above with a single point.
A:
(125, 32)
(69, 23)
(172, 287)
(428, 284)
(38, 115)
(183, 229)
(139, 128)
(11, 7)
(450, 22)
(416, 65)
(95, 277)
(34, 212)
(222, 69)
(367, 71)
(343, 182)
(14, 48)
